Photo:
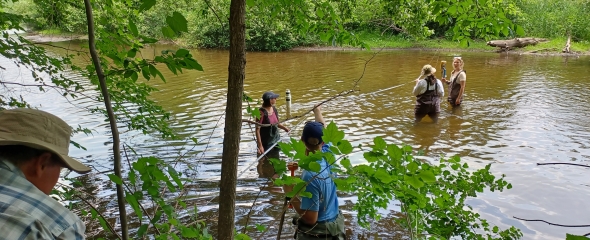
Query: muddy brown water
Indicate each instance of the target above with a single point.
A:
(518, 111)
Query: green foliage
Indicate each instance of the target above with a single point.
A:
(432, 196)
(575, 237)
(554, 18)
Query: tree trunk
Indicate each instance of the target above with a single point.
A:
(517, 42)
(112, 119)
(233, 119)
(566, 49)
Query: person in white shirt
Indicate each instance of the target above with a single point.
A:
(428, 92)
(457, 83)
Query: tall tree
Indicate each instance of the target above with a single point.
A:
(233, 116)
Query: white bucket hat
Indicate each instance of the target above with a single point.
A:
(40, 130)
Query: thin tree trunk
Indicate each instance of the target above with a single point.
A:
(233, 119)
(112, 120)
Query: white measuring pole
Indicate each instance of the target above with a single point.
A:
(288, 99)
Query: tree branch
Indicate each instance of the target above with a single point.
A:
(554, 224)
(573, 164)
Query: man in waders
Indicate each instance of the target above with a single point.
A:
(428, 92)
(319, 216)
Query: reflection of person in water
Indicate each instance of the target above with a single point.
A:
(426, 136)
(455, 122)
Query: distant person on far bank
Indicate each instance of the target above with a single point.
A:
(428, 92)
(457, 83)
(33, 151)
(268, 136)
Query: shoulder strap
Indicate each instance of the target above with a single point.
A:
(276, 112)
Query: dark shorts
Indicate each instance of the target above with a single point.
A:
(328, 230)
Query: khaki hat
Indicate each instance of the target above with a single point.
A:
(428, 70)
(40, 130)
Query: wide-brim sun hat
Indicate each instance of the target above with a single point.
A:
(428, 70)
(39, 130)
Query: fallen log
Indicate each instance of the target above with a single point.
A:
(517, 42)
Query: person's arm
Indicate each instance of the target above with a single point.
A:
(309, 209)
(441, 88)
(317, 112)
(281, 126)
(462, 82)
(419, 88)
(258, 139)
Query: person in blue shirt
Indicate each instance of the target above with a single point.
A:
(319, 217)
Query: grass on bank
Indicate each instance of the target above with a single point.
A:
(376, 40)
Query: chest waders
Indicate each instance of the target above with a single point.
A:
(454, 90)
(428, 103)
(269, 135)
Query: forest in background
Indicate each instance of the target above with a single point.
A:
(275, 29)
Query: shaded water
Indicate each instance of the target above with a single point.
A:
(518, 111)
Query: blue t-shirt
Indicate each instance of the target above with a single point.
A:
(323, 190)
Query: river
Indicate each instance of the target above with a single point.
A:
(519, 110)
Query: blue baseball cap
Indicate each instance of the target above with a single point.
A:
(313, 130)
(269, 96)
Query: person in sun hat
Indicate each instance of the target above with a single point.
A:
(33, 150)
(268, 136)
(319, 216)
(428, 92)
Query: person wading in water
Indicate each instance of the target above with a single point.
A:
(428, 92)
(457, 83)
(266, 137)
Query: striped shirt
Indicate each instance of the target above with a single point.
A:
(28, 213)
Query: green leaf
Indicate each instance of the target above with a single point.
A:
(346, 163)
(168, 32)
(380, 144)
(314, 166)
(452, 10)
(145, 71)
(383, 176)
(134, 204)
(250, 3)
(574, 237)
(142, 230)
(132, 52)
(195, 65)
(332, 134)
(414, 181)
(146, 5)
(189, 233)
(519, 30)
(319, 13)
(133, 28)
(182, 52)
(345, 147)
(177, 22)
(116, 179)
(427, 176)
(412, 167)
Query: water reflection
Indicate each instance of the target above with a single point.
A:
(517, 111)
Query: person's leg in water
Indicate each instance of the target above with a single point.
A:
(265, 168)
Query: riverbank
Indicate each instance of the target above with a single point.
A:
(377, 42)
